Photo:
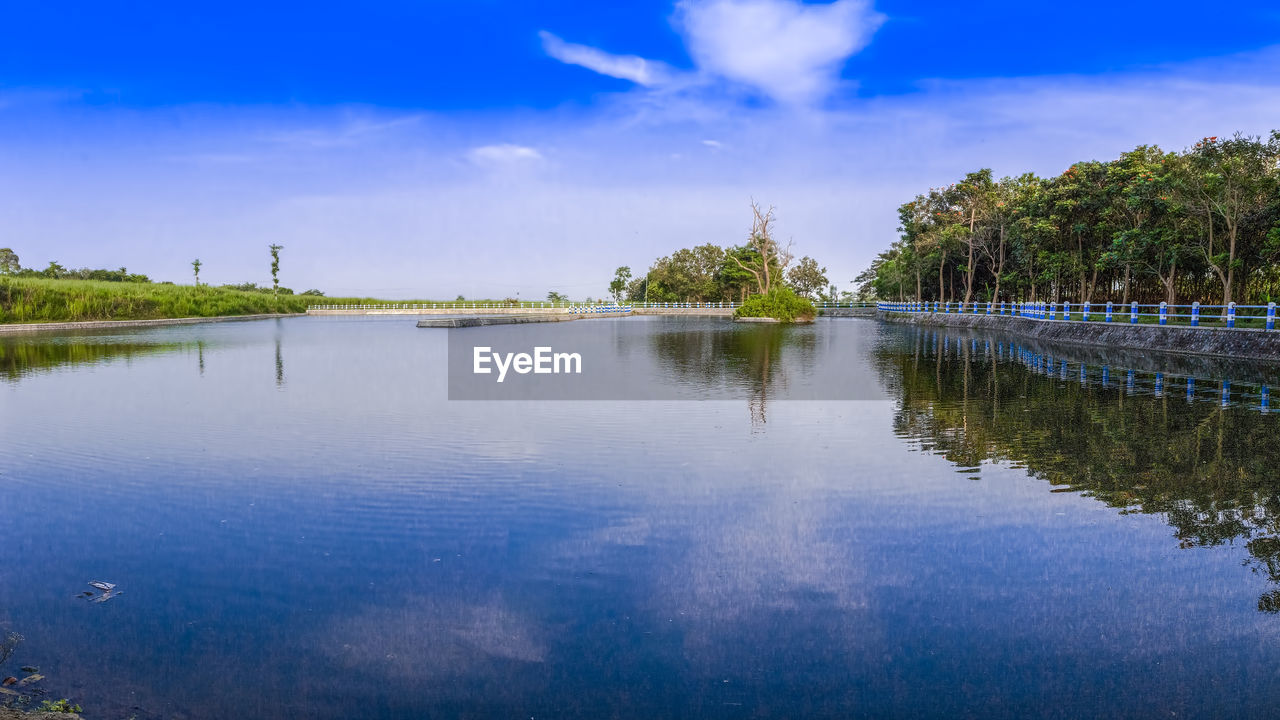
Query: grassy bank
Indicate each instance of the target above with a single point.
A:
(29, 300)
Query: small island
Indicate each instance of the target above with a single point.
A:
(760, 278)
(779, 304)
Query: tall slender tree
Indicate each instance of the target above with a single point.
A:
(275, 268)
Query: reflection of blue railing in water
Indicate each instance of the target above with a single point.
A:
(1193, 315)
(1135, 382)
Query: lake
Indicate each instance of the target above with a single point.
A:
(848, 519)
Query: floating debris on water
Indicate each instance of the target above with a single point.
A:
(9, 681)
(29, 669)
(108, 591)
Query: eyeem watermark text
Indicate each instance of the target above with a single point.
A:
(542, 362)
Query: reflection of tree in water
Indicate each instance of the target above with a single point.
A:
(279, 365)
(725, 363)
(20, 357)
(1208, 469)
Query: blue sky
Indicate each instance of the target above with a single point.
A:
(490, 148)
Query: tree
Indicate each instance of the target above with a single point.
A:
(706, 273)
(619, 285)
(1146, 226)
(1003, 201)
(807, 277)
(732, 277)
(195, 267)
(275, 268)
(1226, 181)
(1149, 228)
(686, 274)
(556, 297)
(9, 262)
(637, 288)
(772, 260)
(916, 225)
(54, 271)
(968, 199)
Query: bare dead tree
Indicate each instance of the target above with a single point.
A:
(774, 259)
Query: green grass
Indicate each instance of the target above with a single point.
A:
(31, 300)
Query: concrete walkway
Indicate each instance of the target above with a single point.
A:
(23, 328)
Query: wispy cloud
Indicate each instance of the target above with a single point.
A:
(625, 67)
(212, 158)
(790, 51)
(506, 153)
(351, 131)
(786, 50)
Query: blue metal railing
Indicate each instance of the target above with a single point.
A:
(1193, 315)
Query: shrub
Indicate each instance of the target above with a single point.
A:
(781, 303)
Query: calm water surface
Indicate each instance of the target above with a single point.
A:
(304, 526)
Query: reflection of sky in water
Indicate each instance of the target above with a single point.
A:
(308, 529)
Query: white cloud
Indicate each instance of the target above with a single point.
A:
(506, 153)
(789, 50)
(713, 144)
(625, 67)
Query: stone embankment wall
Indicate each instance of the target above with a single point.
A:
(440, 311)
(696, 312)
(22, 328)
(1221, 342)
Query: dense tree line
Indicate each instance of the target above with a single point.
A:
(1149, 226)
(711, 273)
(10, 265)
